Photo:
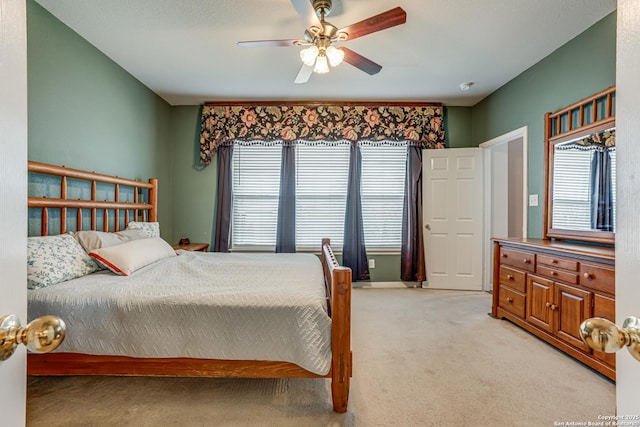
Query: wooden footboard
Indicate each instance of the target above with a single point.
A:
(338, 283)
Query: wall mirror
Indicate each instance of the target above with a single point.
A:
(580, 170)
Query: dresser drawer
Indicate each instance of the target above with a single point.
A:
(512, 278)
(556, 274)
(597, 277)
(512, 301)
(566, 264)
(521, 259)
(604, 307)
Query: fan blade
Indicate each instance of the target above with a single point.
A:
(359, 61)
(268, 43)
(304, 74)
(385, 20)
(307, 13)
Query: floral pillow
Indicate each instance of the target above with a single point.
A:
(151, 229)
(55, 259)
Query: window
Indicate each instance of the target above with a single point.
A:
(256, 183)
(572, 188)
(320, 210)
(382, 190)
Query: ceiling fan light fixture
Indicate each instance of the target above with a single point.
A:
(309, 55)
(335, 56)
(322, 66)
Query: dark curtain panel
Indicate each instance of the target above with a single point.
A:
(286, 231)
(354, 252)
(601, 197)
(412, 263)
(224, 200)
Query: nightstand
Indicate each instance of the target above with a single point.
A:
(200, 247)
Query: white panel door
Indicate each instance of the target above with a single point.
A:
(453, 218)
(628, 203)
(13, 199)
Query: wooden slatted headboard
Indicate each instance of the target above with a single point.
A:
(140, 209)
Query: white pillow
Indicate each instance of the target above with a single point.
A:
(152, 229)
(55, 259)
(128, 257)
(92, 240)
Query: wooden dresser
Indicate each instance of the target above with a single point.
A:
(549, 287)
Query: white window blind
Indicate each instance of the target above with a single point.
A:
(571, 188)
(322, 173)
(256, 184)
(382, 190)
(612, 154)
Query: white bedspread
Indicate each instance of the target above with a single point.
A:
(201, 305)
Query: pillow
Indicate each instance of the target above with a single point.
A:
(55, 259)
(128, 257)
(152, 229)
(92, 240)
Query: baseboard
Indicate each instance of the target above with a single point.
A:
(397, 284)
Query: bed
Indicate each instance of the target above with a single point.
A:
(287, 316)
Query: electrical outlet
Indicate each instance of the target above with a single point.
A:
(372, 263)
(533, 200)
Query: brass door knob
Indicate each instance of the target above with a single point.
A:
(41, 335)
(605, 336)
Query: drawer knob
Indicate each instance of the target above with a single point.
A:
(504, 255)
(553, 307)
(527, 261)
(509, 276)
(509, 300)
(587, 276)
(603, 335)
(554, 273)
(548, 304)
(554, 261)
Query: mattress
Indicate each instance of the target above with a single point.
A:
(202, 305)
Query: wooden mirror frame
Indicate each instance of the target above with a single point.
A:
(560, 127)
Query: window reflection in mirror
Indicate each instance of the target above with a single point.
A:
(584, 187)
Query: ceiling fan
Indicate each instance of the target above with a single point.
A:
(320, 36)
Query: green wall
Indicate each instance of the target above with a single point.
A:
(86, 112)
(458, 127)
(580, 68)
(194, 189)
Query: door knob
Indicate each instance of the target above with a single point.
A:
(428, 227)
(41, 335)
(603, 335)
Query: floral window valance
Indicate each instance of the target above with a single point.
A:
(421, 125)
(603, 140)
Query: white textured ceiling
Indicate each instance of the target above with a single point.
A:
(185, 50)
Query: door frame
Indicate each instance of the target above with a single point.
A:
(521, 134)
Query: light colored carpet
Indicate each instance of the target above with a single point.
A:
(421, 358)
